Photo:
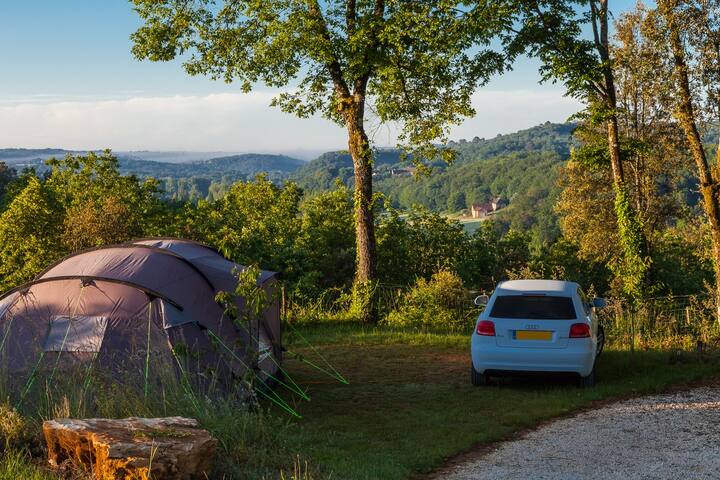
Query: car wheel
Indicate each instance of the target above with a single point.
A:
(477, 379)
(600, 340)
(588, 381)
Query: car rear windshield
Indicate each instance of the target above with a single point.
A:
(533, 307)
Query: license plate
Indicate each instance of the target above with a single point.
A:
(532, 335)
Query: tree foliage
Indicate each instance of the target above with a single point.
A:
(83, 202)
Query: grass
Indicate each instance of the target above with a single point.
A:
(408, 407)
(17, 465)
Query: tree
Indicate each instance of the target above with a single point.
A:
(7, 176)
(456, 201)
(552, 31)
(414, 64)
(101, 206)
(692, 33)
(327, 241)
(29, 234)
(254, 223)
(99, 222)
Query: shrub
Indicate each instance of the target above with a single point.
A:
(439, 303)
(12, 425)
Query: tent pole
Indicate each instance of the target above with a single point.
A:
(147, 348)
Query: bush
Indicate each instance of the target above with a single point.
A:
(12, 425)
(439, 303)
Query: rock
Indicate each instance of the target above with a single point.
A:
(172, 448)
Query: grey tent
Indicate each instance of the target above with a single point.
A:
(135, 306)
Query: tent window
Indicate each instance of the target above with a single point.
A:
(75, 334)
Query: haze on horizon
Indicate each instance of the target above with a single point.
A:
(70, 82)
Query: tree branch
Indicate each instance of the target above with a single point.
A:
(333, 65)
(350, 12)
(361, 82)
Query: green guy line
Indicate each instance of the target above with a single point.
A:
(277, 400)
(337, 374)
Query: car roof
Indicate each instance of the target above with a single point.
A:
(519, 287)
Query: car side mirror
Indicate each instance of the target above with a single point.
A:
(481, 300)
(599, 303)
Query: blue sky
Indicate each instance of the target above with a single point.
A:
(68, 80)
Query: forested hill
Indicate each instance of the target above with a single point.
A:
(321, 173)
(237, 166)
(521, 167)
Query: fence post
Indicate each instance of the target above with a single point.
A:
(632, 333)
(283, 306)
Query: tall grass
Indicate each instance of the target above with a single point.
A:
(252, 441)
(18, 465)
(682, 323)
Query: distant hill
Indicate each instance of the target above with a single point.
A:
(547, 137)
(321, 174)
(29, 156)
(207, 178)
(239, 166)
(521, 167)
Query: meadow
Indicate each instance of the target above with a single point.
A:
(407, 408)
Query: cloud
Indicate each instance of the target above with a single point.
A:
(219, 122)
(506, 111)
(235, 122)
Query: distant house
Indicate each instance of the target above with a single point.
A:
(480, 210)
(403, 171)
(498, 203)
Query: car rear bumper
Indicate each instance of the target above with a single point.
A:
(486, 356)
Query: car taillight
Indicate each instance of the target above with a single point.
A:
(579, 330)
(486, 327)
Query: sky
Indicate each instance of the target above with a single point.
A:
(68, 80)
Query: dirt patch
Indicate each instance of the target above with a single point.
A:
(393, 364)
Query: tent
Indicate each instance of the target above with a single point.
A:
(133, 308)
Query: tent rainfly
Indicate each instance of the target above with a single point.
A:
(129, 308)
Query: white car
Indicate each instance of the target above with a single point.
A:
(536, 326)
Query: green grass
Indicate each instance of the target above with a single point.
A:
(408, 407)
(409, 404)
(16, 465)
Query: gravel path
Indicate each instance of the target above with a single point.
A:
(670, 436)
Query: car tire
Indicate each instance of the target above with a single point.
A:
(589, 380)
(600, 341)
(477, 379)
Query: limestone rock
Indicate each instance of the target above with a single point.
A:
(172, 448)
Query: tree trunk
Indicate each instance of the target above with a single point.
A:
(614, 144)
(633, 271)
(685, 114)
(366, 251)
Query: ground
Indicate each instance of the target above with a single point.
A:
(407, 411)
(409, 406)
(665, 436)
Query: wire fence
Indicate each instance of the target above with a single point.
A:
(686, 322)
(665, 322)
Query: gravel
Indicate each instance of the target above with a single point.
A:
(669, 436)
